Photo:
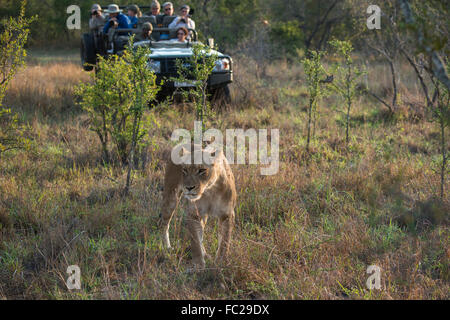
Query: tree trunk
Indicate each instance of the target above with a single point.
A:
(104, 142)
(122, 150)
(311, 102)
(394, 85)
(438, 66)
(104, 139)
(136, 125)
(349, 105)
(106, 153)
(204, 106)
(444, 155)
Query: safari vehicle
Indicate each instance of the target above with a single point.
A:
(163, 57)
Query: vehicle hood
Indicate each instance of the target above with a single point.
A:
(176, 53)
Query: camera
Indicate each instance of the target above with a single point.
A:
(95, 13)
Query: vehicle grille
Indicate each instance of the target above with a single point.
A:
(169, 66)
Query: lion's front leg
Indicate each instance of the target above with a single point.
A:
(226, 224)
(196, 225)
(171, 199)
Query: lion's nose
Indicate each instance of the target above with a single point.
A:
(190, 188)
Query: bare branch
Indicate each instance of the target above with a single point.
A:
(438, 66)
(422, 81)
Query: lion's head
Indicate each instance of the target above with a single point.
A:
(197, 178)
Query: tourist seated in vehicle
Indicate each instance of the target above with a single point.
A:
(168, 9)
(183, 20)
(97, 20)
(182, 34)
(117, 19)
(134, 13)
(161, 19)
(155, 8)
(146, 33)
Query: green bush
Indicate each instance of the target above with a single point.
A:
(12, 58)
(289, 36)
(115, 100)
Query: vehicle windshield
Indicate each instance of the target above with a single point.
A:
(170, 44)
(165, 44)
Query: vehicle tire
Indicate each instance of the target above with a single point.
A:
(221, 95)
(88, 55)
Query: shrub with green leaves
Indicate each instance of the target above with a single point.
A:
(289, 36)
(441, 115)
(196, 71)
(12, 59)
(347, 77)
(116, 98)
(314, 72)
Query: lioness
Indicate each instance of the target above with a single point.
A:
(208, 190)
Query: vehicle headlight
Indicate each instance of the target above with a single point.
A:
(155, 66)
(222, 65)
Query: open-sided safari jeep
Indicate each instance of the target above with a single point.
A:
(163, 57)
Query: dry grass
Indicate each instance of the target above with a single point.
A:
(308, 232)
(46, 87)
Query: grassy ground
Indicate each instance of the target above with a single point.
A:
(309, 232)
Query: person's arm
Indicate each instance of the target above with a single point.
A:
(124, 22)
(92, 24)
(134, 22)
(174, 23)
(106, 27)
(97, 22)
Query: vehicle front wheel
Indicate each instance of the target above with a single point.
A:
(220, 95)
(88, 56)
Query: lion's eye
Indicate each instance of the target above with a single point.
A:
(201, 171)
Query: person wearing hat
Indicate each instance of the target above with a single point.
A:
(116, 19)
(97, 20)
(146, 33)
(134, 13)
(183, 20)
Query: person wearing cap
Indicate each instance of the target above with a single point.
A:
(134, 13)
(97, 20)
(146, 33)
(116, 19)
(183, 20)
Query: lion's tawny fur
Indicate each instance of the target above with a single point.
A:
(207, 191)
